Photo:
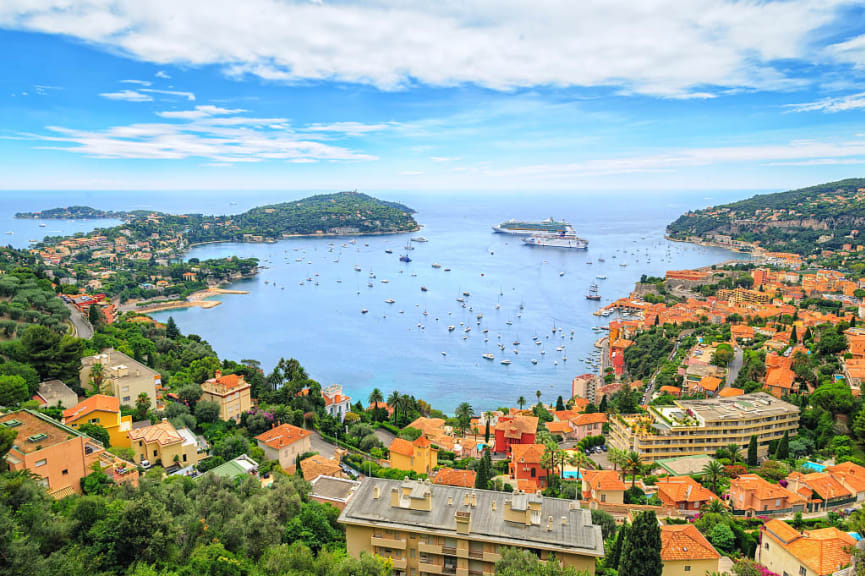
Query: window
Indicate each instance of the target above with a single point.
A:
(412, 552)
(802, 571)
(65, 472)
(687, 568)
(767, 545)
(42, 462)
(534, 472)
(603, 497)
(154, 453)
(184, 457)
(127, 399)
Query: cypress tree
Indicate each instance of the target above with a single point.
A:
(616, 551)
(484, 471)
(641, 551)
(93, 315)
(752, 451)
(603, 407)
(487, 432)
(782, 452)
(172, 332)
(560, 404)
(793, 336)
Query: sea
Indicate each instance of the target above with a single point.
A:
(501, 297)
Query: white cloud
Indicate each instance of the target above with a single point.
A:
(188, 95)
(163, 75)
(199, 112)
(139, 82)
(840, 104)
(128, 95)
(664, 47)
(445, 158)
(349, 128)
(211, 136)
(411, 173)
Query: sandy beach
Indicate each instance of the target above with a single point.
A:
(195, 300)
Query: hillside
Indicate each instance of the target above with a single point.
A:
(804, 221)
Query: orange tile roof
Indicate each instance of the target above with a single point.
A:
(683, 489)
(452, 477)
(95, 402)
(826, 485)
(580, 404)
(519, 425)
(565, 415)
(401, 446)
(586, 419)
(528, 453)
(558, 427)
(282, 435)
(684, 542)
(603, 479)
(671, 390)
(318, 465)
(850, 474)
(710, 383)
(421, 442)
(730, 392)
(824, 551)
(223, 385)
(762, 488)
(163, 433)
(431, 426)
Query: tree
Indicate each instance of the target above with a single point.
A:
(94, 315)
(641, 552)
(142, 405)
(734, 453)
(606, 522)
(721, 536)
(538, 394)
(375, 397)
(522, 562)
(602, 407)
(521, 401)
(97, 376)
(207, 411)
(484, 473)
(487, 431)
(189, 394)
(7, 440)
(782, 452)
(560, 404)
(632, 463)
(96, 432)
(578, 459)
(752, 451)
(616, 552)
(712, 473)
(172, 332)
(723, 355)
(794, 338)
(834, 397)
(464, 414)
(13, 390)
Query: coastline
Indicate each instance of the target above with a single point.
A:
(194, 300)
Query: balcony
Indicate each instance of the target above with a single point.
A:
(449, 551)
(492, 557)
(462, 572)
(462, 552)
(426, 568)
(388, 543)
(429, 548)
(399, 563)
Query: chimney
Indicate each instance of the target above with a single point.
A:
(549, 524)
(376, 492)
(474, 499)
(494, 505)
(218, 374)
(450, 500)
(466, 499)
(564, 520)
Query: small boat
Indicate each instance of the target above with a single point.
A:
(505, 362)
(489, 356)
(516, 342)
(385, 281)
(390, 301)
(388, 251)
(461, 299)
(595, 297)
(42, 225)
(404, 258)
(419, 239)
(468, 329)
(447, 269)
(444, 353)
(601, 260)
(356, 268)
(601, 277)
(466, 294)
(451, 328)
(534, 361)
(436, 265)
(561, 274)
(370, 284)
(423, 288)
(363, 310)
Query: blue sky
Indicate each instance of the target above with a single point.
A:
(558, 96)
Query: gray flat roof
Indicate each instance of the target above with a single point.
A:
(759, 405)
(576, 536)
(333, 488)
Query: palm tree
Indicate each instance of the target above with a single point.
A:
(464, 413)
(615, 456)
(538, 394)
(521, 401)
(548, 462)
(97, 375)
(734, 451)
(712, 473)
(633, 464)
(375, 397)
(715, 506)
(578, 459)
(395, 402)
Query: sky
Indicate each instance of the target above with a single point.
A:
(485, 95)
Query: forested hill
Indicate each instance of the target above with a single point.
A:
(804, 221)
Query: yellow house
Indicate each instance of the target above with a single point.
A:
(686, 552)
(821, 552)
(603, 486)
(163, 444)
(420, 455)
(104, 411)
(231, 392)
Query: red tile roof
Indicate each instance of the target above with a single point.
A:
(452, 477)
(684, 542)
(683, 489)
(528, 453)
(824, 551)
(282, 435)
(95, 402)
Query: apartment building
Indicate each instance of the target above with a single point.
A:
(436, 529)
(58, 455)
(122, 376)
(231, 392)
(691, 427)
(104, 411)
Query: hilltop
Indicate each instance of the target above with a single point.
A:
(804, 221)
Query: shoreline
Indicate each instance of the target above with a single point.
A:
(322, 235)
(194, 300)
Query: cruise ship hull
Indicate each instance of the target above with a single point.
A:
(572, 243)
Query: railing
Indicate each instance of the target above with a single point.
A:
(449, 551)
(394, 543)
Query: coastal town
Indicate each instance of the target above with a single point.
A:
(725, 418)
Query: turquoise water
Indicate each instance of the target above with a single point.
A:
(323, 327)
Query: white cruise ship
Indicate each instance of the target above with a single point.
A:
(563, 240)
(548, 226)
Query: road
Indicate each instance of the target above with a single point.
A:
(735, 366)
(82, 326)
(650, 388)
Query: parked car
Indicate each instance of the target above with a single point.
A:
(604, 447)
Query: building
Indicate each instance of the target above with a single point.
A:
(55, 393)
(685, 551)
(740, 296)
(58, 455)
(231, 392)
(851, 476)
(603, 486)
(284, 443)
(317, 465)
(683, 493)
(122, 376)
(588, 425)
(334, 491)
(584, 386)
(239, 467)
(785, 550)
(436, 529)
(104, 411)
(821, 490)
(162, 444)
(751, 495)
(335, 403)
(454, 477)
(692, 427)
(420, 456)
(525, 466)
(515, 430)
